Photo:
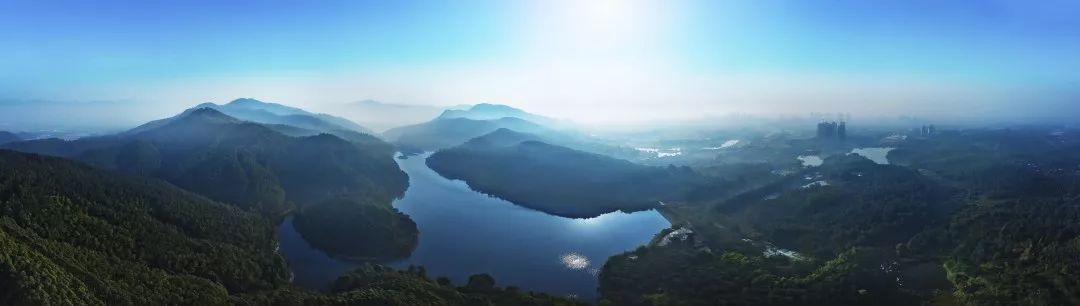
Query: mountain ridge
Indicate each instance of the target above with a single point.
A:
(6, 137)
(448, 132)
(382, 116)
(253, 166)
(523, 169)
(253, 110)
(491, 111)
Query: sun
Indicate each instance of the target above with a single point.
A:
(610, 12)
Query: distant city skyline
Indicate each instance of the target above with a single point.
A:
(600, 62)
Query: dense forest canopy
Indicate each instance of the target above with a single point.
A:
(76, 235)
(71, 234)
(858, 203)
(239, 162)
(358, 226)
(254, 167)
(980, 217)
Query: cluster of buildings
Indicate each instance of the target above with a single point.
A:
(832, 130)
(927, 131)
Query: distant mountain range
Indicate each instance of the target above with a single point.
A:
(454, 127)
(382, 116)
(231, 160)
(487, 111)
(261, 167)
(271, 113)
(448, 132)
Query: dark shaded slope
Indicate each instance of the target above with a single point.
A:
(240, 162)
(846, 219)
(71, 234)
(378, 285)
(559, 180)
(979, 217)
(6, 137)
(255, 167)
(849, 201)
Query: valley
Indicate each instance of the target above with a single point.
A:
(540, 153)
(463, 232)
(749, 218)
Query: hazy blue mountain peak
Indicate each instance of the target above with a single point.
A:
(206, 104)
(495, 107)
(486, 111)
(369, 102)
(246, 102)
(502, 137)
(275, 108)
(491, 111)
(206, 115)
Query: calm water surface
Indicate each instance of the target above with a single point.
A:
(810, 160)
(878, 155)
(463, 232)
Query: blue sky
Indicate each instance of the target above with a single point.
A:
(986, 40)
(651, 59)
(123, 39)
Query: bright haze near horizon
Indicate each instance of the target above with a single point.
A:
(120, 63)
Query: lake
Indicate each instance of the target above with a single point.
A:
(464, 232)
(878, 155)
(810, 160)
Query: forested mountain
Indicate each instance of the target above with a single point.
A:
(73, 235)
(239, 162)
(840, 223)
(558, 180)
(359, 226)
(444, 133)
(680, 274)
(270, 114)
(6, 137)
(1015, 240)
(978, 217)
(382, 116)
(378, 285)
(255, 167)
(502, 137)
(848, 201)
(487, 111)
(456, 126)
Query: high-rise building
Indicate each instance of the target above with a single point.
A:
(927, 130)
(832, 130)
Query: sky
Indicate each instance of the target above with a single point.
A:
(593, 61)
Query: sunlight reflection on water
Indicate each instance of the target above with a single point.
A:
(574, 261)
